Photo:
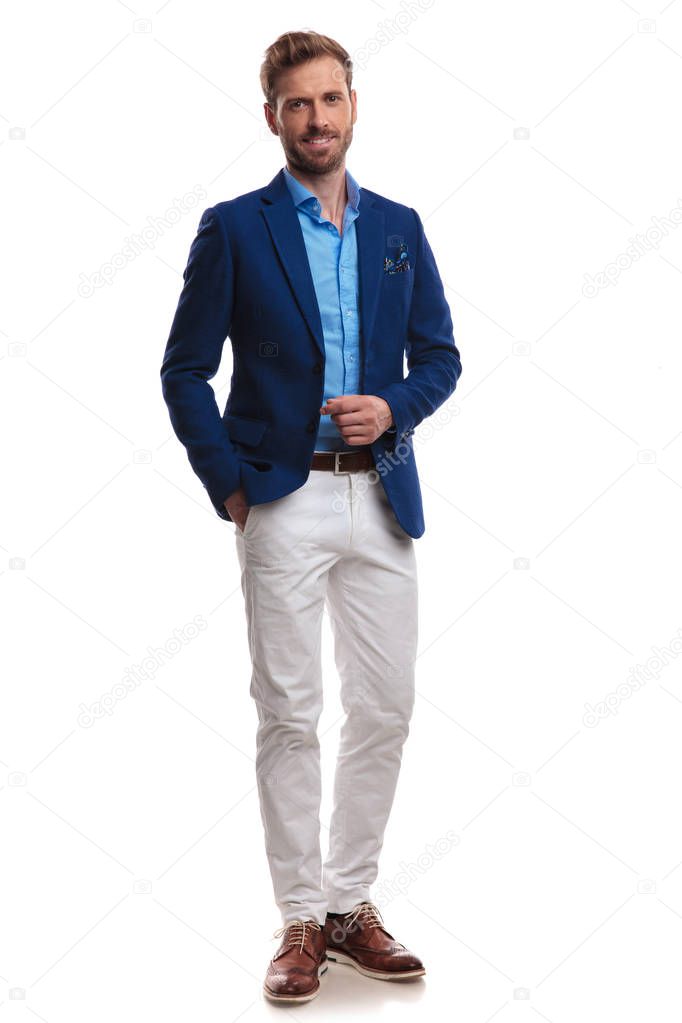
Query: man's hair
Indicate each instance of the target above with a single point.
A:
(294, 48)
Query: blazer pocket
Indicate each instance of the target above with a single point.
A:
(245, 430)
(399, 275)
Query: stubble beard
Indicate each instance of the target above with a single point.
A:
(299, 160)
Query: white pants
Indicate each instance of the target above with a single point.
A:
(334, 541)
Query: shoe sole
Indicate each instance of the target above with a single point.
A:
(307, 997)
(342, 957)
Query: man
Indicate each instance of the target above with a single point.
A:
(322, 287)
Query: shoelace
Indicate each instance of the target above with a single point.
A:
(369, 912)
(298, 929)
(371, 916)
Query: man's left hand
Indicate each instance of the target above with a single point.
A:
(360, 418)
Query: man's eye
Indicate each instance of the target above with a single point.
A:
(297, 102)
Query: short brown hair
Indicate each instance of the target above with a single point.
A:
(294, 48)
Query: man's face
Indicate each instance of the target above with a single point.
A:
(312, 101)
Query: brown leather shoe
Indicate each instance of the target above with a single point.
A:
(360, 939)
(294, 970)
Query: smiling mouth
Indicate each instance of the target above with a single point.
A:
(319, 141)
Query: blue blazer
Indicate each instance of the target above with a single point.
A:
(248, 277)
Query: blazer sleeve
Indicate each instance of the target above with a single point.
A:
(433, 361)
(192, 358)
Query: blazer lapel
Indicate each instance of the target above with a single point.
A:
(282, 221)
(370, 233)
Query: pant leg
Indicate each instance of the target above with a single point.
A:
(372, 602)
(285, 554)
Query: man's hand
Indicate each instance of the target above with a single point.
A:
(238, 508)
(360, 418)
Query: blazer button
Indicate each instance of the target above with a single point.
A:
(317, 368)
(311, 427)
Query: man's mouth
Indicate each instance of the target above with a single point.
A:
(319, 141)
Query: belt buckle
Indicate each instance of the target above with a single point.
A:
(337, 470)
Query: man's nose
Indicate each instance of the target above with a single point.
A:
(318, 117)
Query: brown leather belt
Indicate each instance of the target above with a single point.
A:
(343, 461)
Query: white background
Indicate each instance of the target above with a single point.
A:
(533, 854)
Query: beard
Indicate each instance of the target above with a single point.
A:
(303, 160)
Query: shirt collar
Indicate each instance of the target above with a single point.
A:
(302, 196)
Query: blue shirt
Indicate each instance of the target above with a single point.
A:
(333, 260)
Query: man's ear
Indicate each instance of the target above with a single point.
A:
(270, 118)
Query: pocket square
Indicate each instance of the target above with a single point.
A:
(398, 265)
